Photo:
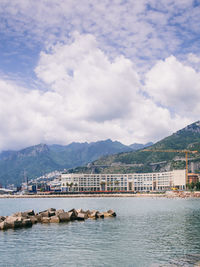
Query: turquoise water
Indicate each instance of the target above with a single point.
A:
(146, 232)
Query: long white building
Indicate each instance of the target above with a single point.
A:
(157, 181)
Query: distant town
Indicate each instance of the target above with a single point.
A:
(67, 183)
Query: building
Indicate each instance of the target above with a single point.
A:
(193, 178)
(139, 182)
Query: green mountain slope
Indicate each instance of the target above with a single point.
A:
(40, 159)
(140, 161)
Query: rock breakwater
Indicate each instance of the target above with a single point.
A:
(28, 218)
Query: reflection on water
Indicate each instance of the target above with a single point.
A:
(146, 232)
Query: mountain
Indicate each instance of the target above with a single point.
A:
(143, 161)
(37, 160)
(137, 146)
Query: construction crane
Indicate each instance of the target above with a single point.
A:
(176, 151)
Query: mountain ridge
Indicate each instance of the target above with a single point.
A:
(39, 159)
(141, 161)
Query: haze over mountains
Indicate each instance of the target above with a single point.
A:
(37, 160)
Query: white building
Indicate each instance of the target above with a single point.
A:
(156, 181)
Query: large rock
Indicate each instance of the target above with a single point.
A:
(30, 212)
(59, 211)
(44, 213)
(27, 223)
(64, 216)
(3, 226)
(2, 218)
(74, 214)
(45, 219)
(52, 212)
(51, 209)
(93, 214)
(54, 219)
(38, 217)
(81, 216)
(100, 215)
(24, 214)
(33, 219)
(112, 213)
(14, 222)
(106, 214)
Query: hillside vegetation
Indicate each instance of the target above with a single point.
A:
(140, 161)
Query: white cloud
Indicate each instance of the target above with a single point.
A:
(176, 86)
(90, 98)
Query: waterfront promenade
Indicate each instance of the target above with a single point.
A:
(169, 194)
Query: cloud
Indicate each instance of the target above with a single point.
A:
(143, 31)
(175, 86)
(90, 98)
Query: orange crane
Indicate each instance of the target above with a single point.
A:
(177, 151)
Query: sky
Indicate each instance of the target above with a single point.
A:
(83, 71)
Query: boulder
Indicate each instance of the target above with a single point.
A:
(45, 220)
(100, 215)
(112, 213)
(14, 222)
(54, 219)
(74, 214)
(25, 214)
(3, 225)
(20, 214)
(51, 213)
(51, 209)
(2, 218)
(64, 216)
(33, 219)
(27, 223)
(38, 217)
(106, 214)
(30, 212)
(59, 211)
(93, 215)
(44, 213)
(81, 216)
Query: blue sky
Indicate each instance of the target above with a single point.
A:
(92, 70)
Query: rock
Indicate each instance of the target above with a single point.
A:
(100, 215)
(25, 214)
(2, 218)
(79, 211)
(27, 223)
(59, 211)
(51, 213)
(3, 226)
(51, 209)
(45, 220)
(30, 212)
(20, 214)
(33, 219)
(64, 216)
(38, 217)
(106, 214)
(14, 222)
(93, 215)
(74, 214)
(44, 213)
(81, 216)
(112, 213)
(54, 219)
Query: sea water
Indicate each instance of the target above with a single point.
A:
(146, 232)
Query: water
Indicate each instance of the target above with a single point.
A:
(146, 232)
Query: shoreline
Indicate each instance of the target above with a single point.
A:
(82, 195)
(169, 194)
